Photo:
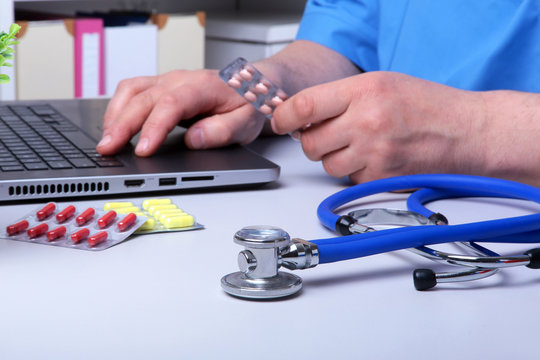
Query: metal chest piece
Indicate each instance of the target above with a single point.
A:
(259, 277)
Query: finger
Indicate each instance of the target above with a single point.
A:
(343, 162)
(311, 106)
(128, 123)
(371, 173)
(183, 102)
(126, 90)
(240, 126)
(358, 177)
(326, 137)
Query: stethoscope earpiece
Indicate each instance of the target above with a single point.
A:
(534, 256)
(424, 279)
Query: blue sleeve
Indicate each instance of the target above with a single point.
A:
(346, 26)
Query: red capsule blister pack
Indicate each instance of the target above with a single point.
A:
(76, 227)
(256, 89)
(252, 85)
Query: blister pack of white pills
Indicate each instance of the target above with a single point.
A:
(74, 226)
(162, 215)
(247, 81)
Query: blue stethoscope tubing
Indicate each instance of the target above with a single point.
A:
(520, 229)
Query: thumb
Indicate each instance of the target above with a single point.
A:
(240, 126)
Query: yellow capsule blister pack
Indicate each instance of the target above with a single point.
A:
(162, 215)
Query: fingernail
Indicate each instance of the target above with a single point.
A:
(296, 135)
(105, 141)
(142, 146)
(197, 139)
(272, 124)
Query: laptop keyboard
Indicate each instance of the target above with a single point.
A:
(31, 138)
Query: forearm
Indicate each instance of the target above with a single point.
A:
(512, 135)
(303, 64)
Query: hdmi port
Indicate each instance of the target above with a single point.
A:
(134, 183)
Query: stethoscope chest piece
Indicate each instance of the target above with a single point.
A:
(259, 277)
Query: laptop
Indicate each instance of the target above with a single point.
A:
(48, 150)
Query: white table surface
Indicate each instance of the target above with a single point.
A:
(159, 296)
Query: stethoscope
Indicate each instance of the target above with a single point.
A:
(373, 231)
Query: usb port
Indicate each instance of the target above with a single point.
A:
(167, 181)
(134, 183)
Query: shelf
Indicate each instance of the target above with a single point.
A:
(70, 7)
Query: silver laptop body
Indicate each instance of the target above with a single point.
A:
(47, 150)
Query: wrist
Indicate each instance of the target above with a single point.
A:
(303, 64)
(512, 131)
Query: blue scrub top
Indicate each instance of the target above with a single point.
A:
(468, 44)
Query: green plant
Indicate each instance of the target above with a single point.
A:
(6, 52)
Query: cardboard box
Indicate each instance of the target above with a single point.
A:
(252, 36)
(45, 60)
(180, 41)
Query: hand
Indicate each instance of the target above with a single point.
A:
(383, 124)
(155, 105)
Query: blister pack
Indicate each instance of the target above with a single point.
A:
(74, 226)
(247, 81)
(162, 215)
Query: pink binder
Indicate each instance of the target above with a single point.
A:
(89, 58)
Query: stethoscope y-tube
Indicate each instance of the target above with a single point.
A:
(521, 229)
(268, 248)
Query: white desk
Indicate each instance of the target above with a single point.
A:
(159, 296)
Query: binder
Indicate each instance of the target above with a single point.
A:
(180, 41)
(89, 58)
(130, 51)
(44, 61)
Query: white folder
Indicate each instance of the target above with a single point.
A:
(129, 51)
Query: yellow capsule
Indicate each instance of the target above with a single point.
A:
(117, 205)
(149, 224)
(159, 212)
(149, 202)
(127, 210)
(153, 208)
(163, 217)
(174, 222)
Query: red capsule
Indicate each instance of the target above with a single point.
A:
(276, 100)
(106, 219)
(38, 230)
(265, 109)
(250, 96)
(127, 221)
(98, 238)
(56, 233)
(65, 214)
(85, 216)
(46, 211)
(246, 74)
(80, 235)
(18, 227)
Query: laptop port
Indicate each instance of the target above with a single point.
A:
(197, 178)
(167, 181)
(134, 183)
